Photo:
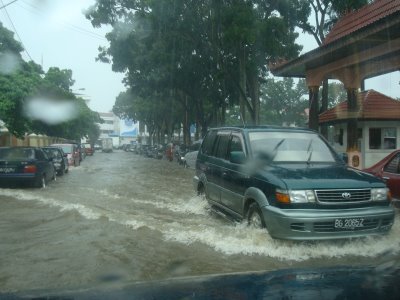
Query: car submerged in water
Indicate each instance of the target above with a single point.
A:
(60, 159)
(25, 165)
(291, 182)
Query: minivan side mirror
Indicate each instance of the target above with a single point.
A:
(237, 157)
(344, 157)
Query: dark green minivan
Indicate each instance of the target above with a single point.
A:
(291, 182)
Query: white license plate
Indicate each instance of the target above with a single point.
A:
(350, 223)
(7, 170)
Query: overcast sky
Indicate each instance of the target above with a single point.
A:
(56, 33)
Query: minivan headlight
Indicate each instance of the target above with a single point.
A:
(379, 194)
(295, 196)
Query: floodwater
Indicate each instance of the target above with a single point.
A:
(123, 218)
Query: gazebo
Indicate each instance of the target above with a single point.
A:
(362, 44)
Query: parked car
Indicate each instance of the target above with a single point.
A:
(157, 151)
(26, 165)
(88, 149)
(60, 159)
(72, 152)
(291, 182)
(189, 160)
(388, 169)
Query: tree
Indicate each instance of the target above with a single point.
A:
(284, 102)
(206, 55)
(21, 81)
(60, 78)
(16, 81)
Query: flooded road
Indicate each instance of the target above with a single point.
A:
(123, 218)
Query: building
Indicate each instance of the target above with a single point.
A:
(378, 127)
(110, 127)
(362, 44)
(122, 131)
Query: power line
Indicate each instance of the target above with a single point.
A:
(15, 29)
(34, 9)
(4, 6)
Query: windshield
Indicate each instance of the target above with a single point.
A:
(291, 147)
(16, 153)
(202, 140)
(68, 149)
(52, 152)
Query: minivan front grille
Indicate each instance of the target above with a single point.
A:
(343, 196)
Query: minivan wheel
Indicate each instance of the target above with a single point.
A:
(200, 190)
(62, 171)
(254, 216)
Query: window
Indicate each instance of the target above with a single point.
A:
(222, 146)
(382, 138)
(40, 155)
(107, 131)
(291, 147)
(394, 165)
(236, 144)
(208, 143)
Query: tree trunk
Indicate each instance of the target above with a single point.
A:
(254, 90)
(242, 85)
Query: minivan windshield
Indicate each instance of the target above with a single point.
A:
(299, 147)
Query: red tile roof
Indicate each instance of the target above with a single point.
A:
(373, 106)
(361, 18)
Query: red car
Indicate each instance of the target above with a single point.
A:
(88, 148)
(389, 170)
(72, 152)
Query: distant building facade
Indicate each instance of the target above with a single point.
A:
(122, 131)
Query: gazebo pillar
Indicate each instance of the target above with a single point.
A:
(314, 80)
(351, 78)
(313, 107)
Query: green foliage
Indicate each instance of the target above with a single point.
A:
(326, 14)
(336, 94)
(21, 81)
(60, 78)
(195, 55)
(284, 102)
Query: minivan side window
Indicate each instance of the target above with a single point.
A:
(222, 146)
(236, 144)
(208, 143)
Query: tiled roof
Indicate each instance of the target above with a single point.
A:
(361, 18)
(373, 106)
